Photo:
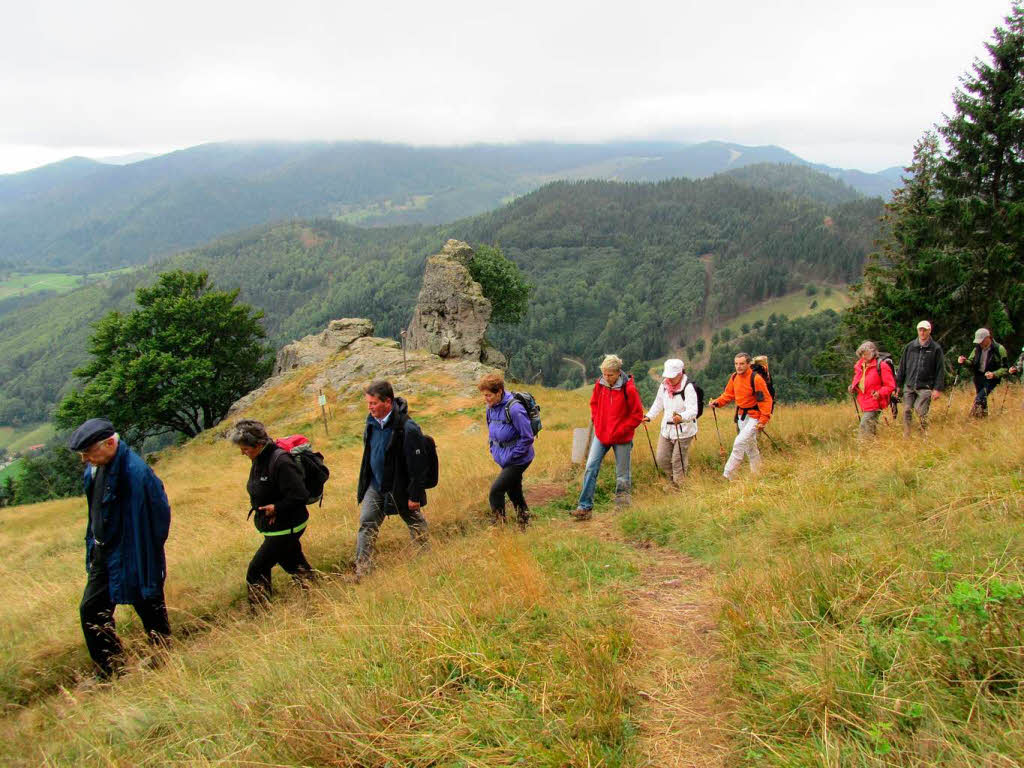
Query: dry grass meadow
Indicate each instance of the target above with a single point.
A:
(867, 609)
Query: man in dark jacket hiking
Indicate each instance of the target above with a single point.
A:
(392, 473)
(920, 376)
(987, 362)
(129, 519)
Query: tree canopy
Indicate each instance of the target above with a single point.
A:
(502, 283)
(175, 364)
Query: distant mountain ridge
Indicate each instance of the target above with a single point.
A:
(84, 215)
(616, 266)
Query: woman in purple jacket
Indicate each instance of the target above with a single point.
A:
(511, 439)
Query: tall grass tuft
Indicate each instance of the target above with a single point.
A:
(873, 601)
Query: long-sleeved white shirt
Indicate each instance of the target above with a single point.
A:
(684, 403)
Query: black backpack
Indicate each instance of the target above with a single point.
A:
(760, 369)
(430, 477)
(700, 396)
(698, 391)
(310, 463)
(529, 403)
(883, 358)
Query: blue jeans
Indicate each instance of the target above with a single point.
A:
(597, 452)
(983, 387)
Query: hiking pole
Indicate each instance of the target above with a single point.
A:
(763, 432)
(721, 448)
(1002, 407)
(651, 446)
(956, 378)
(949, 400)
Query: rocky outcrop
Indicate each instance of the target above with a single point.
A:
(344, 358)
(452, 313)
(338, 335)
(373, 358)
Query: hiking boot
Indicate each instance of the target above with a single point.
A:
(523, 518)
(498, 517)
(363, 569)
(580, 514)
(94, 681)
(623, 499)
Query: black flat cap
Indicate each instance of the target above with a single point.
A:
(89, 433)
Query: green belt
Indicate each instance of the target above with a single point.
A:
(296, 529)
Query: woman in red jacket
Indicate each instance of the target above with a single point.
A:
(873, 383)
(616, 410)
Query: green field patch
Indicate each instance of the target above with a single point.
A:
(13, 470)
(356, 214)
(17, 439)
(25, 284)
(792, 305)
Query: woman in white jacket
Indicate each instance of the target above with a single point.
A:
(677, 401)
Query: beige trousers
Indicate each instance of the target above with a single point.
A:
(674, 457)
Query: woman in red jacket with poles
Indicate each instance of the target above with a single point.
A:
(617, 411)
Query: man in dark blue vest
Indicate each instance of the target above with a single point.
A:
(129, 518)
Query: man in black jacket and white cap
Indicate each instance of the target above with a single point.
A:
(920, 376)
(392, 473)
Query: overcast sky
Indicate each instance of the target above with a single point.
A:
(851, 84)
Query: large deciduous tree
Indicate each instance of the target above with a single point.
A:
(953, 252)
(175, 364)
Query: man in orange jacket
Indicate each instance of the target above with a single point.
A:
(753, 410)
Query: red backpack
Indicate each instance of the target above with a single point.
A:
(311, 465)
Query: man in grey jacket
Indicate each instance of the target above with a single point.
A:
(920, 376)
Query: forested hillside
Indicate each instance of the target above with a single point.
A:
(615, 267)
(81, 216)
(620, 267)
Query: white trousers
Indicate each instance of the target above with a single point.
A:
(744, 445)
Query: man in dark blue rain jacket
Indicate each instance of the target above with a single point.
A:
(129, 518)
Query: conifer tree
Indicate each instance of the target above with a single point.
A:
(955, 230)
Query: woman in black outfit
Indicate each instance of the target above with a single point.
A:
(278, 497)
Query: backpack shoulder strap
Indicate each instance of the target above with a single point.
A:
(276, 458)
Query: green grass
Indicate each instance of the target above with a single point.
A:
(873, 593)
(492, 652)
(16, 439)
(23, 285)
(12, 470)
(356, 214)
(793, 305)
(871, 603)
(19, 284)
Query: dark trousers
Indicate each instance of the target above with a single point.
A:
(509, 481)
(285, 551)
(372, 512)
(97, 612)
(983, 388)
